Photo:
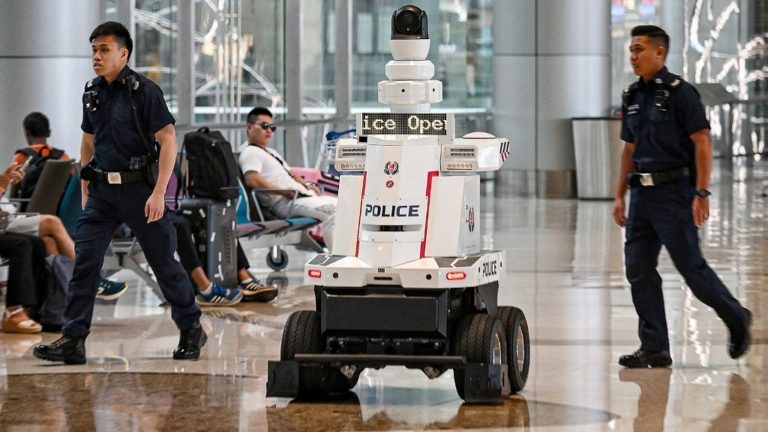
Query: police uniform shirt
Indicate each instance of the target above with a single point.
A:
(659, 117)
(116, 139)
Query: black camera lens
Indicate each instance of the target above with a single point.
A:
(407, 22)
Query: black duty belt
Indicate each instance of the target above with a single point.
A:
(636, 180)
(119, 177)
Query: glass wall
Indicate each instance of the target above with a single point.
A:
(714, 43)
(239, 55)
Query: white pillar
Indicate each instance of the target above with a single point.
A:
(551, 63)
(45, 61)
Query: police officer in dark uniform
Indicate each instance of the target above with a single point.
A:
(666, 163)
(125, 119)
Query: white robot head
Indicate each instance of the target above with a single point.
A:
(410, 87)
(410, 39)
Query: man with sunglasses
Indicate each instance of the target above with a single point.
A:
(265, 168)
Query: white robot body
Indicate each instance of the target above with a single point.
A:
(415, 211)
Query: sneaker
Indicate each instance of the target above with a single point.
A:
(254, 290)
(110, 290)
(219, 296)
(739, 343)
(70, 350)
(646, 359)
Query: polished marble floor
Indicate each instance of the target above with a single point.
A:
(566, 273)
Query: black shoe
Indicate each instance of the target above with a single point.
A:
(739, 342)
(190, 343)
(70, 350)
(646, 359)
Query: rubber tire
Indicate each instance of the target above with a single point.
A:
(473, 339)
(513, 319)
(279, 264)
(302, 336)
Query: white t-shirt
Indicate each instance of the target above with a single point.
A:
(270, 165)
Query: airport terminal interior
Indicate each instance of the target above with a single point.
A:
(545, 74)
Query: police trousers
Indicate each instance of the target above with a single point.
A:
(108, 206)
(662, 215)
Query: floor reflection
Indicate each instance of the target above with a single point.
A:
(395, 414)
(566, 273)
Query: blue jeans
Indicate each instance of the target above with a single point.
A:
(662, 215)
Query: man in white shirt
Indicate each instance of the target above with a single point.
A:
(265, 168)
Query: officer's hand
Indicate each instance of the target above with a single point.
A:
(619, 212)
(700, 210)
(154, 208)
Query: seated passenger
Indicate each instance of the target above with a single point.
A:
(52, 231)
(26, 256)
(36, 130)
(210, 293)
(265, 168)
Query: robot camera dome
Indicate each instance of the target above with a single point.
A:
(409, 22)
(410, 38)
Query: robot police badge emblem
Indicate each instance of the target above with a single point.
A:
(391, 168)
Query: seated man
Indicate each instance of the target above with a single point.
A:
(210, 293)
(264, 168)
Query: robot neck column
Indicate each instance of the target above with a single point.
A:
(410, 108)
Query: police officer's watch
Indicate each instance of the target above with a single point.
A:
(703, 193)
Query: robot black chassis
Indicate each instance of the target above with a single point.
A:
(432, 329)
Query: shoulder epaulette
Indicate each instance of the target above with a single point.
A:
(672, 81)
(91, 83)
(627, 94)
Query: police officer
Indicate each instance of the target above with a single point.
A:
(666, 163)
(124, 120)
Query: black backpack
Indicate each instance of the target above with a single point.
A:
(35, 167)
(211, 170)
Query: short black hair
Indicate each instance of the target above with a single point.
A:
(36, 124)
(657, 34)
(112, 28)
(257, 112)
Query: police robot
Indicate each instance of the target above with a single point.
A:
(406, 283)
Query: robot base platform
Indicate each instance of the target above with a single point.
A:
(323, 352)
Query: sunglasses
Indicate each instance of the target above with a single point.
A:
(265, 126)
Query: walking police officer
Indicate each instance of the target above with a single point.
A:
(125, 181)
(666, 163)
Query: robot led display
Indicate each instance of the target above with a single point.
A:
(406, 282)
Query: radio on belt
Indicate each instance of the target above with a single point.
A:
(407, 282)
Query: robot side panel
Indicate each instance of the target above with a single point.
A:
(454, 214)
(348, 215)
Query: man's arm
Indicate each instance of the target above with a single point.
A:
(619, 207)
(300, 180)
(86, 154)
(155, 206)
(255, 180)
(703, 159)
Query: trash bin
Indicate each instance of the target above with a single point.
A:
(597, 146)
